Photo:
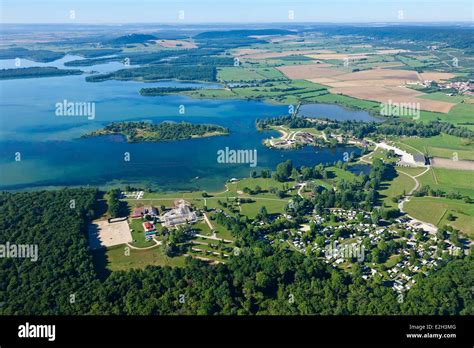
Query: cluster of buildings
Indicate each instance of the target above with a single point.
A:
(148, 211)
(461, 87)
(427, 252)
(182, 213)
(299, 138)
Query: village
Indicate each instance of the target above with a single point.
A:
(395, 252)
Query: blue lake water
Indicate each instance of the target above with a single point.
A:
(52, 154)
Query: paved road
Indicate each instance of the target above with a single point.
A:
(157, 243)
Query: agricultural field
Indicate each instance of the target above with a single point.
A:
(449, 180)
(435, 210)
(443, 145)
(238, 74)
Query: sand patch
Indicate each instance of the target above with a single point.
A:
(104, 234)
(439, 162)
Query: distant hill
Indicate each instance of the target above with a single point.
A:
(242, 33)
(41, 56)
(131, 39)
(36, 71)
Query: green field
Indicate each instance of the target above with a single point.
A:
(238, 74)
(396, 187)
(273, 207)
(449, 180)
(443, 97)
(412, 170)
(118, 261)
(270, 73)
(382, 154)
(264, 183)
(442, 145)
(435, 210)
(138, 234)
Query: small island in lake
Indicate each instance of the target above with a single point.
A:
(165, 131)
(36, 71)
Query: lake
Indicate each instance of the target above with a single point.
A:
(53, 155)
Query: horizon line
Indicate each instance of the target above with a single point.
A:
(247, 23)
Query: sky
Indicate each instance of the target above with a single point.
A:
(234, 11)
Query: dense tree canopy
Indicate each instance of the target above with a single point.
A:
(259, 280)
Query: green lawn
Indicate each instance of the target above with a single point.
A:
(382, 154)
(402, 183)
(273, 207)
(412, 171)
(443, 145)
(138, 234)
(202, 228)
(264, 183)
(118, 261)
(449, 180)
(221, 231)
(238, 74)
(435, 210)
(392, 261)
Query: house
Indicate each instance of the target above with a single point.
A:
(181, 214)
(145, 211)
(148, 226)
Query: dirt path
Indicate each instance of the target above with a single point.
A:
(425, 225)
(213, 238)
(301, 188)
(157, 243)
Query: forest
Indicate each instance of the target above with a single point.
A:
(141, 58)
(164, 131)
(360, 129)
(156, 91)
(33, 72)
(159, 72)
(260, 280)
(94, 53)
(40, 56)
(453, 36)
